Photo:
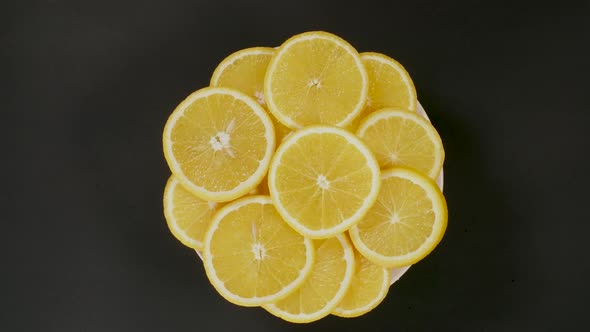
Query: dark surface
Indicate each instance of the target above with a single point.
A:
(87, 87)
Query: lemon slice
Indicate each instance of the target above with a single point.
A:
(251, 256)
(218, 143)
(370, 284)
(323, 180)
(390, 85)
(405, 224)
(187, 216)
(327, 284)
(401, 138)
(315, 78)
(244, 71)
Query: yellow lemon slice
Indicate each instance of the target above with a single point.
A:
(390, 85)
(323, 180)
(187, 216)
(251, 256)
(218, 143)
(327, 284)
(401, 138)
(244, 71)
(369, 287)
(315, 78)
(405, 224)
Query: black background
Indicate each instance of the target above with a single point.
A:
(88, 85)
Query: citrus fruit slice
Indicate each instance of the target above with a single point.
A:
(315, 78)
(323, 180)
(401, 138)
(405, 224)
(325, 287)
(244, 71)
(370, 284)
(218, 143)
(187, 216)
(390, 85)
(251, 256)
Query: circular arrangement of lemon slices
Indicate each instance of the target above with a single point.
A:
(304, 177)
